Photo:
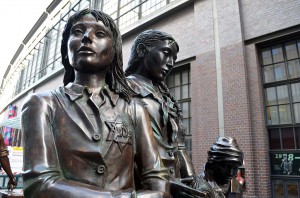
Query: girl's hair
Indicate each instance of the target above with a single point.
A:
(149, 38)
(115, 76)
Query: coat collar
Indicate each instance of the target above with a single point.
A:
(141, 85)
(76, 91)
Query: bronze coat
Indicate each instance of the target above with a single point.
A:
(75, 149)
(166, 126)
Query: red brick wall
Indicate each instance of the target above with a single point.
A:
(259, 132)
(262, 17)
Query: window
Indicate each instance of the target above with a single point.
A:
(280, 65)
(281, 77)
(285, 188)
(178, 83)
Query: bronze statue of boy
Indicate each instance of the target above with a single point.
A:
(224, 159)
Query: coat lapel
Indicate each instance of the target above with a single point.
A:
(74, 110)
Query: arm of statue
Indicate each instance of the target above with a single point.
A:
(12, 183)
(186, 166)
(154, 176)
(42, 174)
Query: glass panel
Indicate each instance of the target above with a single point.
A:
(269, 74)
(186, 125)
(271, 96)
(188, 144)
(297, 136)
(280, 73)
(287, 136)
(266, 56)
(177, 93)
(296, 92)
(170, 82)
(297, 112)
(292, 189)
(185, 77)
(185, 109)
(278, 189)
(172, 91)
(294, 68)
(285, 114)
(185, 91)
(177, 79)
(277, 54)
(274, 139)
(291, 50)
(282, 94)
(272, 114)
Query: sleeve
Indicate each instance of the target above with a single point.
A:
(153, 175)
(3, 148)
(42, 175)
(186, 165)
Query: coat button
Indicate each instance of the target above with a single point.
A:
(171, 170)
(96, 137)
(101, 169)
(171, 153)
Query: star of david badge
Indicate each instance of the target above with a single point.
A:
(119, 133)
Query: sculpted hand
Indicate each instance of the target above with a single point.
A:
(178, 189)
(11, 184)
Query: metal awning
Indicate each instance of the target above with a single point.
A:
(12, 122)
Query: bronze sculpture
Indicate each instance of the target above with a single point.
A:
(12, 183)
(224, 158)
(82, 139)
(153, 54)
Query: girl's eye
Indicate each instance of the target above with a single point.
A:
(100, 34)
(166, 52)
(77, 31)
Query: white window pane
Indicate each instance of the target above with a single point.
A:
(272, 113)
(294, 68)
(291, 50)
(269, 74)
(177, 93)
(280, 73)
(282, 94)
(266, 57)
(186, 125)
(285, 114)
(297, 112)
(185, 91)
(271, 96)
(185, 77)
(185, 109)
(170, 81)
(296, 92)
(177, 79)
(277, 54)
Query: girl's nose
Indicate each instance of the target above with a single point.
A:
(87, 37)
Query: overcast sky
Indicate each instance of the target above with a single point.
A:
(17, 18)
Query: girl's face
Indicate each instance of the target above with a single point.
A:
(160, 59)
(90, 45)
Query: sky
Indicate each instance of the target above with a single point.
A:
(17, 18)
